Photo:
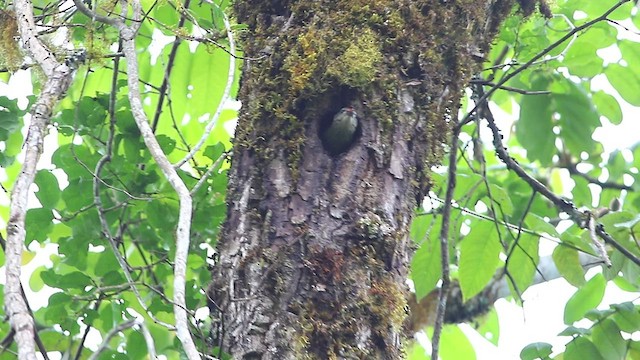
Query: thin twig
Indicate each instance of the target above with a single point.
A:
(444, 243)
(509, 88)
(120, 327)
(148, 339)
(98, 201)
(86, 333)
(223, 100)
(538, 56)
(573, 170)
(167, 72)
(208, 173)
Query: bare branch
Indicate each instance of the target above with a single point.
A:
(223, 100)
(208, 173)
(151, 348)
(9, 338)
(127, 36)
(98, 201)
(562, 204)
(58, 77)
(509, 88)
(444, 241)
(167, 71)
(573, 170)
(105, 342)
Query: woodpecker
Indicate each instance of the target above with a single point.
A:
(341, 132)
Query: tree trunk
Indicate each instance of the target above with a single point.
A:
(314, 254)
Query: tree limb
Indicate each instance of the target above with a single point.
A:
(58, 77)
(444, 243)
(562, 204)
(127, 35)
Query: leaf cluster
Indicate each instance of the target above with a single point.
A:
(501, 227)
(99, 168)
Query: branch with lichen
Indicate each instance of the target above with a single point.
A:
(58, 77)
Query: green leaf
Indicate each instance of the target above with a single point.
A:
(466, 183)
(479, 258)
(540, 225)
(454, 344)
(6, 161)
(534, 129)
(627, 317)
(166, 143)
(608, 106)
(581, 192)
(620, 233)
(38, 223)
(90, 112)
(501, 199)
(75, 160)
(9, 123)
(628, 224)
(622, 283)
(132, 147)
(623, 12)
(581, 349)
(537, 350)
(426, 268)
(629, 50)
(578, 119)
(165, 13)
(11, 105)
(56, 311)
(581, 58)
(127, 124)
(106, 263)
(572, 331)
(617, 166)
(72, 194)
(568, 263)
(48, 189)
(596, 315)
(72, 280)
(214, 152)
(585, 299)
(634, 350)
(54, 340)
(136, 346)
(416, 352)
(490, 327)
(75, 250)
(523, 261)
(606, 337)
(162, 214)
(35, 281)
(625, 81)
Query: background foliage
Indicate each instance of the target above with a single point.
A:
(587, 80)
(583, 84)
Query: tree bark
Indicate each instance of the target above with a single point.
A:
(314, 253)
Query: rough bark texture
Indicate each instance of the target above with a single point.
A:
(315, 251)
